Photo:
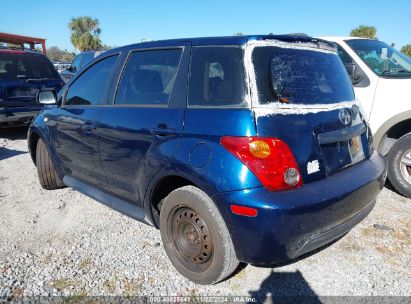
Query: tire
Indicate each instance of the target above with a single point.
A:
(45, 169)
(195, 237)
(399, 165)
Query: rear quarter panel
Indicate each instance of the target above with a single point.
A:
(202, 159)
(392, 97)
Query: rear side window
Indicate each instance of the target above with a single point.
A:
(148, 78)
(90, 87)
(295, 76)
(26, 66)
(217, 77)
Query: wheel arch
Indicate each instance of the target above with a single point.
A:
(34, 135)
(161, 186)
(393, 129)
(32, 143)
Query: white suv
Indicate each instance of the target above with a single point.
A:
(381, 77)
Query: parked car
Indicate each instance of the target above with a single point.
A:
(61, 66)
(262, 157)
(381, 77)
(22, 74)
(78, 63)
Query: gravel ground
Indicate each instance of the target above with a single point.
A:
(64, 243)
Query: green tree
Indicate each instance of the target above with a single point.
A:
(85, 33)
(54, 53)
(68, 56)
(238, 34)
(364, 31)
(406, 49)
(106, 47)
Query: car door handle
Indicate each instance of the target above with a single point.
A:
(88, 126)
(163, 131)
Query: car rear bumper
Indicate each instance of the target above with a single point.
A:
(18, 115)
(291, 223)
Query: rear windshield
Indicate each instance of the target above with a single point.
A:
(296, 76)
(26, 66)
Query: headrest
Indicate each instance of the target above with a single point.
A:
(148, 81)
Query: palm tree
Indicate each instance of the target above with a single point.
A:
(364, 31)
(85, 33)
(406, 49)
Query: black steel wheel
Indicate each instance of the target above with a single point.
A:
(191, 238)
(195, 236)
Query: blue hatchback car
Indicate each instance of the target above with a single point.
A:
(248, 148)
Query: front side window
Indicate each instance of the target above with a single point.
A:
(90, 87)
(381, 58)
(299, 76)
(217, 77)
(148, 78)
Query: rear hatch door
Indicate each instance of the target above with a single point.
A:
(305, 98)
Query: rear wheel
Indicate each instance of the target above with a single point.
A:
(195, 236)
(399, 165)
(45, 169)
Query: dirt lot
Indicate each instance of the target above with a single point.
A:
(63, 243)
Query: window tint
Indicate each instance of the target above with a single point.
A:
(148, 77)
(300, 76)
(89, 88)
(217, 77)
(345, 58)
(381, 58)
(76, 62)
(86, 58)
(26, 66)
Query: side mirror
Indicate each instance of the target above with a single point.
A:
(354, 73)
(46, 97)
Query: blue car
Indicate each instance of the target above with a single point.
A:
(240, 149)
(23, 74)
(78, 63)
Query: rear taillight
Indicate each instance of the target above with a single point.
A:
(270, 159)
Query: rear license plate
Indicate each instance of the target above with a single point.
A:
(356, 149)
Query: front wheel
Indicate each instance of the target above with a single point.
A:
(399, 165)
(45, 168)
(195, 236)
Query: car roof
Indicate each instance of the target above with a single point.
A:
(342, 38)
(226, 40)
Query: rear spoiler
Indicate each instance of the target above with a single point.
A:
(303, 39)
